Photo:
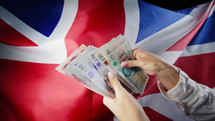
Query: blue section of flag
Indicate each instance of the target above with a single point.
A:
(154, 19)
(41, 15)
(206, 34)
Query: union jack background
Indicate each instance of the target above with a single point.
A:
(37, 35)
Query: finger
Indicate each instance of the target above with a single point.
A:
(114, 82)
(136, 52)
(107, 101)
(132, 63)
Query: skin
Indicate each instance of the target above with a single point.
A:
(124, 105)
(153, 65)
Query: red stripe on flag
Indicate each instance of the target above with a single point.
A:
(10, 36)
(37, 92)
(31, 91)
(200, 68)
(96, 22)
(151, 87)
(154, 115)
(182, 43)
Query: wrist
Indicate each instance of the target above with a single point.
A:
(168, 76)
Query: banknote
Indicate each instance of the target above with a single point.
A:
(80, 68)
(84, 81)
(87, 69)
(62, 66)
(90, 66)
(119, 50)
(104, 67)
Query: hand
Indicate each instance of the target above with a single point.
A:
(150, 63)
(167, 74)
(123, 105)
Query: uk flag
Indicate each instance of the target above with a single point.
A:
(37, 35)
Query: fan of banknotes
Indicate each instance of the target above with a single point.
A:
(90, 66)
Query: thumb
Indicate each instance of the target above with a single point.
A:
(131, 63)
(114, 82)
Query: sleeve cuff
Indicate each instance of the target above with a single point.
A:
(176, 93)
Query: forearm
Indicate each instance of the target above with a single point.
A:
(196, 100)
(168, 76)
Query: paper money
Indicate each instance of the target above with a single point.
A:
(88, 70)
(104, 67)
(119, 50)
(90, 65)
(80, 68)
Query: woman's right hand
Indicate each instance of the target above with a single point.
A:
(152, 64)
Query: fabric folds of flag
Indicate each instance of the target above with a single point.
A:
(36, 36)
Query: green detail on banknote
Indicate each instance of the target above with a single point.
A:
(127, 71)
(115, 63)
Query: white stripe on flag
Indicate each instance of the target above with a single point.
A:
(50, 49)
(132, 20)
(159, 42)
(199, 49)
(165, 107)
(21, 27)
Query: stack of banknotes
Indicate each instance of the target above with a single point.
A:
(90, 66)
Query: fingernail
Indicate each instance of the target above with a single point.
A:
(110, 74)
(124, 64)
